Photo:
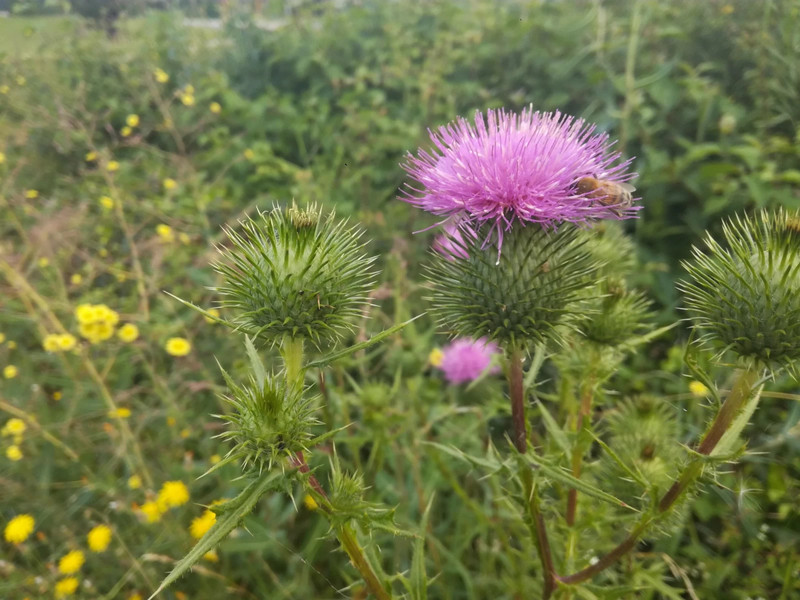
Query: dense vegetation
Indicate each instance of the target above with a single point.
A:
(122, 157)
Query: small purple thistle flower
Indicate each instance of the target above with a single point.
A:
(516, 167)
(466, 360)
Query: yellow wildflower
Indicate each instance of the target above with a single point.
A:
(186, 432)
(50, 342)
(132, 120)
(214, 459)
(11, 344)
(135, 596)
(215, 107)
(214, 312)
(187, 99)
(91, 156)
(10, 371)
(200, 525)
(161, 76)
(134, 482)
(84, 313)
(178, 346)
(106, 202)
(13, 453)
(20, 80)
(184, 238)
(171, 421)
(165, 232)
(19, 528)
(57, 396)
(4, 89)
(698, 389)
(14, 426)
(96, 332)
(44, 262)
(66, 587)
(170, 184)
(2, 337)
(128, 332)
(436, 357)
(173, 493)
(31, 194)
(112, 166)
(103, 252)
(2, 158)
(120, 413)
(125, 131)
(99, 538)
(76, 279)
(71, 562)
(211, 556)
(310, 503)
(249, 154)
(152, 511)
(727, 9)
(189, 89)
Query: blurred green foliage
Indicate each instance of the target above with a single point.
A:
(705, 95)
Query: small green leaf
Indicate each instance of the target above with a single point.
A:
(559, 437)
(647, 337)
(635, 475)
(491, 464)
(255, 362)
(559, 474)
(326, 360)
(234, 511)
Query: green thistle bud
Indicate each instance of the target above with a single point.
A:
(268, 422)
(520, 297)
(614, 251)
(617, 315)
(746, 297)
(642, 432)
(294, 274)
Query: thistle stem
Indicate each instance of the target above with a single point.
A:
(584, 413)
(292, 354)
(535, 519)
(344, 532)
(737, 398)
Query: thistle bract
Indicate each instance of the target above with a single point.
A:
(520, 297)
(524, 167)
(617, 315)
(293, 273)
(746, 297)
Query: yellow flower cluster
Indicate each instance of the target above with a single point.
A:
(10, 371)
(66, 587)
(165, 232)
(59, 342)
(215, 107)
(71, 562)
(172, 494)
(128, 332)
(96, 322)
(187, 95)
(14, 428)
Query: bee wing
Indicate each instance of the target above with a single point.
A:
(627, 187)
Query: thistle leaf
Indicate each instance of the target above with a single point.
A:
(236, 510)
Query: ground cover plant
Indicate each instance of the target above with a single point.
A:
(225, 348)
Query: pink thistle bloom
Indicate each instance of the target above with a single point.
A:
(525, 167)
(466, 360)
(451, 244)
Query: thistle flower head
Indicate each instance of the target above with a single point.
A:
(267, 422)
(294, 273)
(745, 296)
(466, 359)
(522, 297)
(530, 167)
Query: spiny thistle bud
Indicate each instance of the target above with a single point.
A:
(518, 297)
(614, 251)
(293, 273)
(268, 422)
(617, 315)
(347, 500)
(746, 297)
(643, 435)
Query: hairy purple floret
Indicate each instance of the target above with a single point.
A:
(509, 167)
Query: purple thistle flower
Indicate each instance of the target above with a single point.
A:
(517, 167)
(465, 359)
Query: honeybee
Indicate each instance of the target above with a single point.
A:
(607, 193)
